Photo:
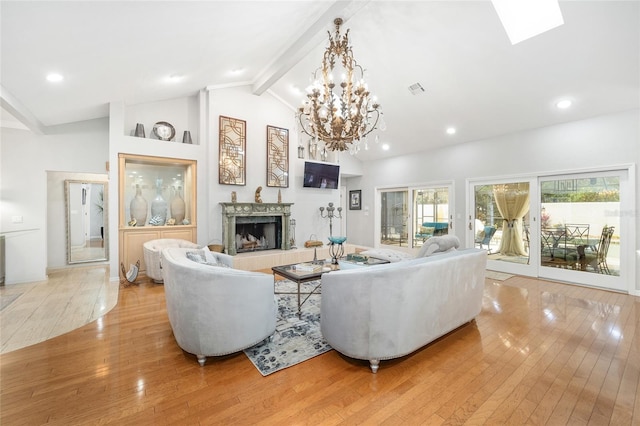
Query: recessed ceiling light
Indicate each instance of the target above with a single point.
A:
(55, 77)
(237, 71)
(451, 130)
(563, 104)
(174, 78)
(385, 147)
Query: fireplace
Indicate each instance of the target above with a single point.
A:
(255, 226)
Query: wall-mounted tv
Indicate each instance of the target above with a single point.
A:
(321, 175)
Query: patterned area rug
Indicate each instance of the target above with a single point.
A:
(296, 339)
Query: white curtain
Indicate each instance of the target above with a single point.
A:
(512, 200)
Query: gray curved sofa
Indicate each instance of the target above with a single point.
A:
(216, 310)
(388, 311)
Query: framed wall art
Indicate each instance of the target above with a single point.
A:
(277, 157)
(355, 199)
(233, 140)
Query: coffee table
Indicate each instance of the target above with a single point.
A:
(297, 276)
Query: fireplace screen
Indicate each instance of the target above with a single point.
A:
(258, 233)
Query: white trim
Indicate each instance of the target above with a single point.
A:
(629, 265)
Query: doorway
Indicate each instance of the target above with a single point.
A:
(408, 216)
(565, 227)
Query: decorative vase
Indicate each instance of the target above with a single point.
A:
(139, 132)
(177, 208)
(158, 207)
(138, 208)
(186, 137)
(313, 150)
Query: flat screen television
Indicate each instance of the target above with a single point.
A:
(321, 175)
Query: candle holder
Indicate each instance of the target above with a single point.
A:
(331, 213)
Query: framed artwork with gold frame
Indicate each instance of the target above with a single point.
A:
(232, 169)
(277, 157)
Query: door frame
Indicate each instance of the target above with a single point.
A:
(449, 184)
(625, 282)
(530, 269)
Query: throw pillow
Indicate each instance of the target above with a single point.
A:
(212, 259)
(205, 257)
(197, 256)
(439, 244)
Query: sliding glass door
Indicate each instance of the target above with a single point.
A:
(583, 234)
(500, 223)
(430, 213)
(563, 227)
(409, 216)
(394, 215)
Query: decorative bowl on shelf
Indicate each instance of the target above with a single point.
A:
(337, 240)
(164, 131)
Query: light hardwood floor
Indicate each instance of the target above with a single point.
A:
(539, 353)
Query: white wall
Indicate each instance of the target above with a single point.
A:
(258, 112)
(85, 147)
(25, 159)
(56, 214)
(598, 142)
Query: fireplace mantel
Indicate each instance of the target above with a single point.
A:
(230, 211)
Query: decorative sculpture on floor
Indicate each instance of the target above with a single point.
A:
(336, 249)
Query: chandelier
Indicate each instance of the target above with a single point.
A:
(340, 115)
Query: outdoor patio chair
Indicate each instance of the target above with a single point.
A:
(484, 238)
(598, 260)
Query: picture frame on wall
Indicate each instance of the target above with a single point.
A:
(277, 157)
(355, 199)
(232, 168)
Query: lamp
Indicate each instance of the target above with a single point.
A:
(340, 115)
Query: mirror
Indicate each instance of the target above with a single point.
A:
(87, 230)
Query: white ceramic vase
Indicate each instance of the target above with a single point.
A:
(138, 208)
(158, 206)
(177, 208)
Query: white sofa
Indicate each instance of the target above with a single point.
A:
(431, 246)
(152, 250)
(388, 311)
(216, 310)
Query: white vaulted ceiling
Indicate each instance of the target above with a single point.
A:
(474, 79)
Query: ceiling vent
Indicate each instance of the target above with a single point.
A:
(416, 89)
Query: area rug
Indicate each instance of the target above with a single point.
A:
(498, 276)
(296, 339)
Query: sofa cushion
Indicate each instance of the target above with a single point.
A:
(439, 244)
(388, 254)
